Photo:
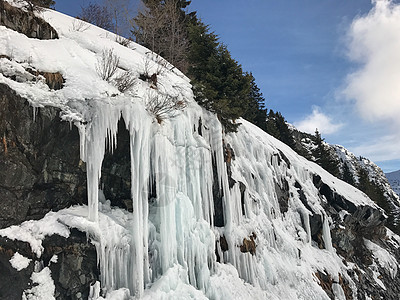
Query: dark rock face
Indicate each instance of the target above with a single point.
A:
(348, 233)
(40, 168)
(76, 267)
(13, 282)
(218, 194)
(116, 171)
(25, 22)
(73, 273)
(282, 193)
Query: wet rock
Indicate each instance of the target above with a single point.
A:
(282, 193)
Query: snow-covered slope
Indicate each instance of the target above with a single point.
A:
(287, 229)
(358, 171)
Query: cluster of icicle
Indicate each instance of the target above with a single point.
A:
(178, 227)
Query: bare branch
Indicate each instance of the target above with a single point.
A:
(107, 64)
(79, 25)
(163, 105)
(125, 81)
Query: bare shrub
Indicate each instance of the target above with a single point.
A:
(107, 64)
(153, 66)
(123, 41)
(161, 27)
(79, 25)
(98, 15)
(164, 106)
(125, 81)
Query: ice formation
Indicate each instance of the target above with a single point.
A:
(167, 248)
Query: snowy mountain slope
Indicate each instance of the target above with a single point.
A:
(214, 216)
(358, 171)
(394, 180)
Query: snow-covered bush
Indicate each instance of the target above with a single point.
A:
(107, 64)
(125, 81)
(123, 41)
(163, 105)
(79, 25)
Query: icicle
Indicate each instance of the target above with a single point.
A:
(306, 217)
(326, 235)
(34, 113)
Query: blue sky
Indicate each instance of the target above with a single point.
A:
(304, 56)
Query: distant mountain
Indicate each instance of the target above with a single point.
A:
(394, 180)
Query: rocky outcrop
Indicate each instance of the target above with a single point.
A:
(13, 282)
(76, 267)
(40, 161)
(54, 81)
(25, 22)
(72, 262)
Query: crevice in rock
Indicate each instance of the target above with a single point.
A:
(116, 171)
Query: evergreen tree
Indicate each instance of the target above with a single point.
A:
(255, 111)
(284, 133)
(219, 82)
(323, 156)
(271, 127)
(377, 194)
(347, 176)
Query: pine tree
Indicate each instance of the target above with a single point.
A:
(271, 127)
(284, 132)
(347, 176)
(323, 156)
(220, 85)
(255, 110)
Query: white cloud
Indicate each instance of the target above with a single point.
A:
(374, 43)
(383, 149)
(318, 120)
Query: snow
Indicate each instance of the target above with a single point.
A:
(43, 286)
(33, 232)
(165, 249)
(19, 262)
(384, 258)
